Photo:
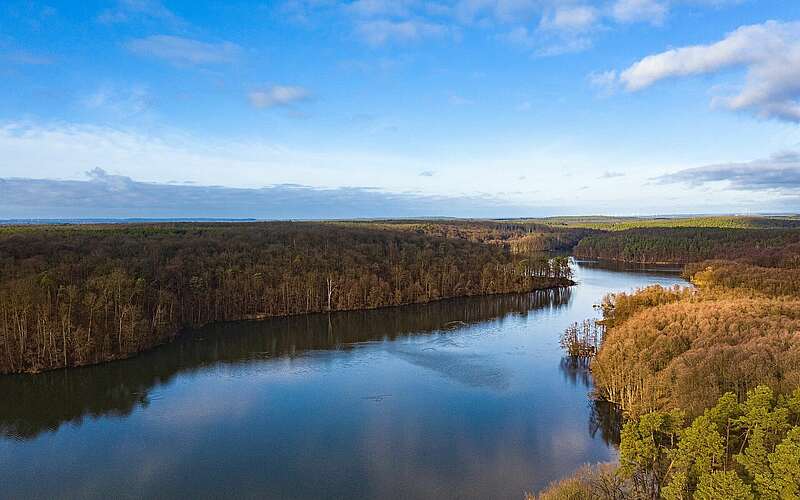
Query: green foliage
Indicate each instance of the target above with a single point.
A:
(722, 484)
(733, 450)
(659, 458)
(700, 450)
(784, 464)
(681, 245)
(644, 450)
(624, 223)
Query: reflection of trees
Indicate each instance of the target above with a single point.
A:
(607, 419)
(576, 370)
(669, 270)
(45, 401)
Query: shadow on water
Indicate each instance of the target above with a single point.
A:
(43, 402)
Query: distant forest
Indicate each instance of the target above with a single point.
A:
(81, 294)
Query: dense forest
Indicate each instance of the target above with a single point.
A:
(708, 377)
(681, 245)
(76, 295)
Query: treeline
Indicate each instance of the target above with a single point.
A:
(681, 245)
(519, 235)
(718, 221)
(727, 275)
(76, 295)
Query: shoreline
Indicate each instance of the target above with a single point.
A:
(555, 284)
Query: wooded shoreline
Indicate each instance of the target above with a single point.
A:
(82, 295)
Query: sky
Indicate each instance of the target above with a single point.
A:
(398, 108)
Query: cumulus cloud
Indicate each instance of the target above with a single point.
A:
(780, 172)
(610, 174)
(277, 95)
(106, 195)
(184, 51)
(769, 52)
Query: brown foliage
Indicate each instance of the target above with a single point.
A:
(687, 354)
(75, 295)
(591, 482)
(769, 281)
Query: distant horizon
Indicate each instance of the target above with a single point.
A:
(135, 220)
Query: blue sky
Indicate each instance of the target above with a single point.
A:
(326, 108)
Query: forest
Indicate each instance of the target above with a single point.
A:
(707, 377)
(81, 294)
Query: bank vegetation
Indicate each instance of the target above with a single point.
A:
(77, 295)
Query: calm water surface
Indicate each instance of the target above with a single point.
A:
(465, 398)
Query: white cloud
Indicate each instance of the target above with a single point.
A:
(576, 18)
(277, 95)
(373, 8)
(119, 102)
(563, 30)
(604, 81)
(629, 11)
(770, 53)
(547, 27)
(130, 10)
(183, 51)
(503, 11)
(379, 32)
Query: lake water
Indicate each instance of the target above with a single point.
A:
(464, 398)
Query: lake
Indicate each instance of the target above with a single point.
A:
(463, 398)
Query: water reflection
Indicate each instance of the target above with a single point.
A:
(606, 418)
(576, 371)
(670, 270)
(44, 402)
